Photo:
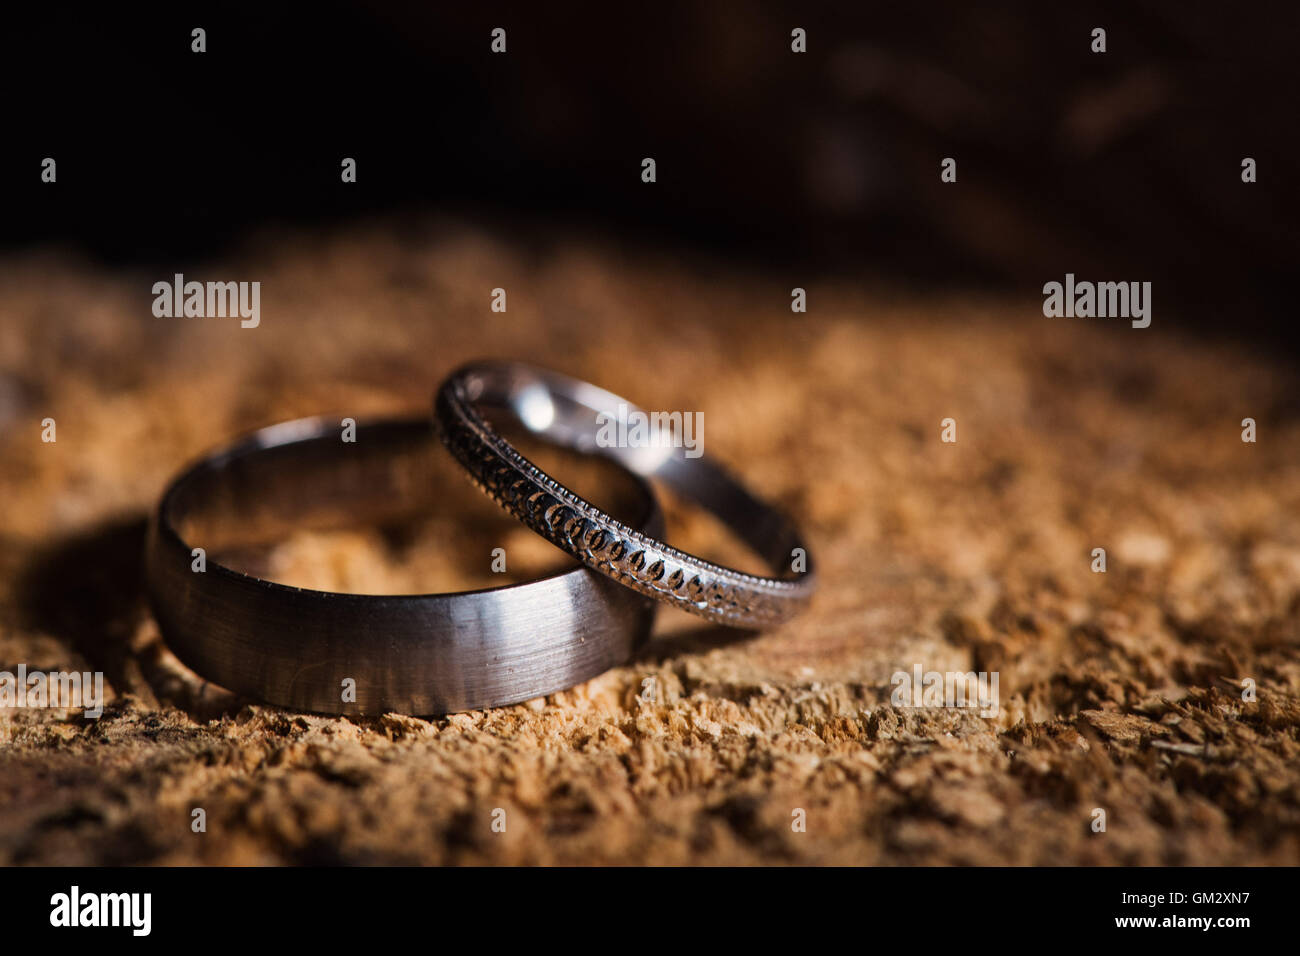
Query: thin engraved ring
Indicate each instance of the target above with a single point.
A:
(569, 412)
(339, 653)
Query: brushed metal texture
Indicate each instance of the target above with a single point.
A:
(414, 654)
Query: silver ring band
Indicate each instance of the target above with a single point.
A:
(412, 654)
(568, 412)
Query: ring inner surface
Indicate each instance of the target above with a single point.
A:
(738, 530)
(387, 514)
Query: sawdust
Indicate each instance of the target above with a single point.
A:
(1119, 691)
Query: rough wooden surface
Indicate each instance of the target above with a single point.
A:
(1119, 691)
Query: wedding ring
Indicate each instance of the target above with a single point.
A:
(571, 413)
(342, 653)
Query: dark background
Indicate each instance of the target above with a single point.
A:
(1122, 166)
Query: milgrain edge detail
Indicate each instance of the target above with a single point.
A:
(603, 543)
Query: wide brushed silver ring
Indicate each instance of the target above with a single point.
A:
(569, 412)
(408, 653)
